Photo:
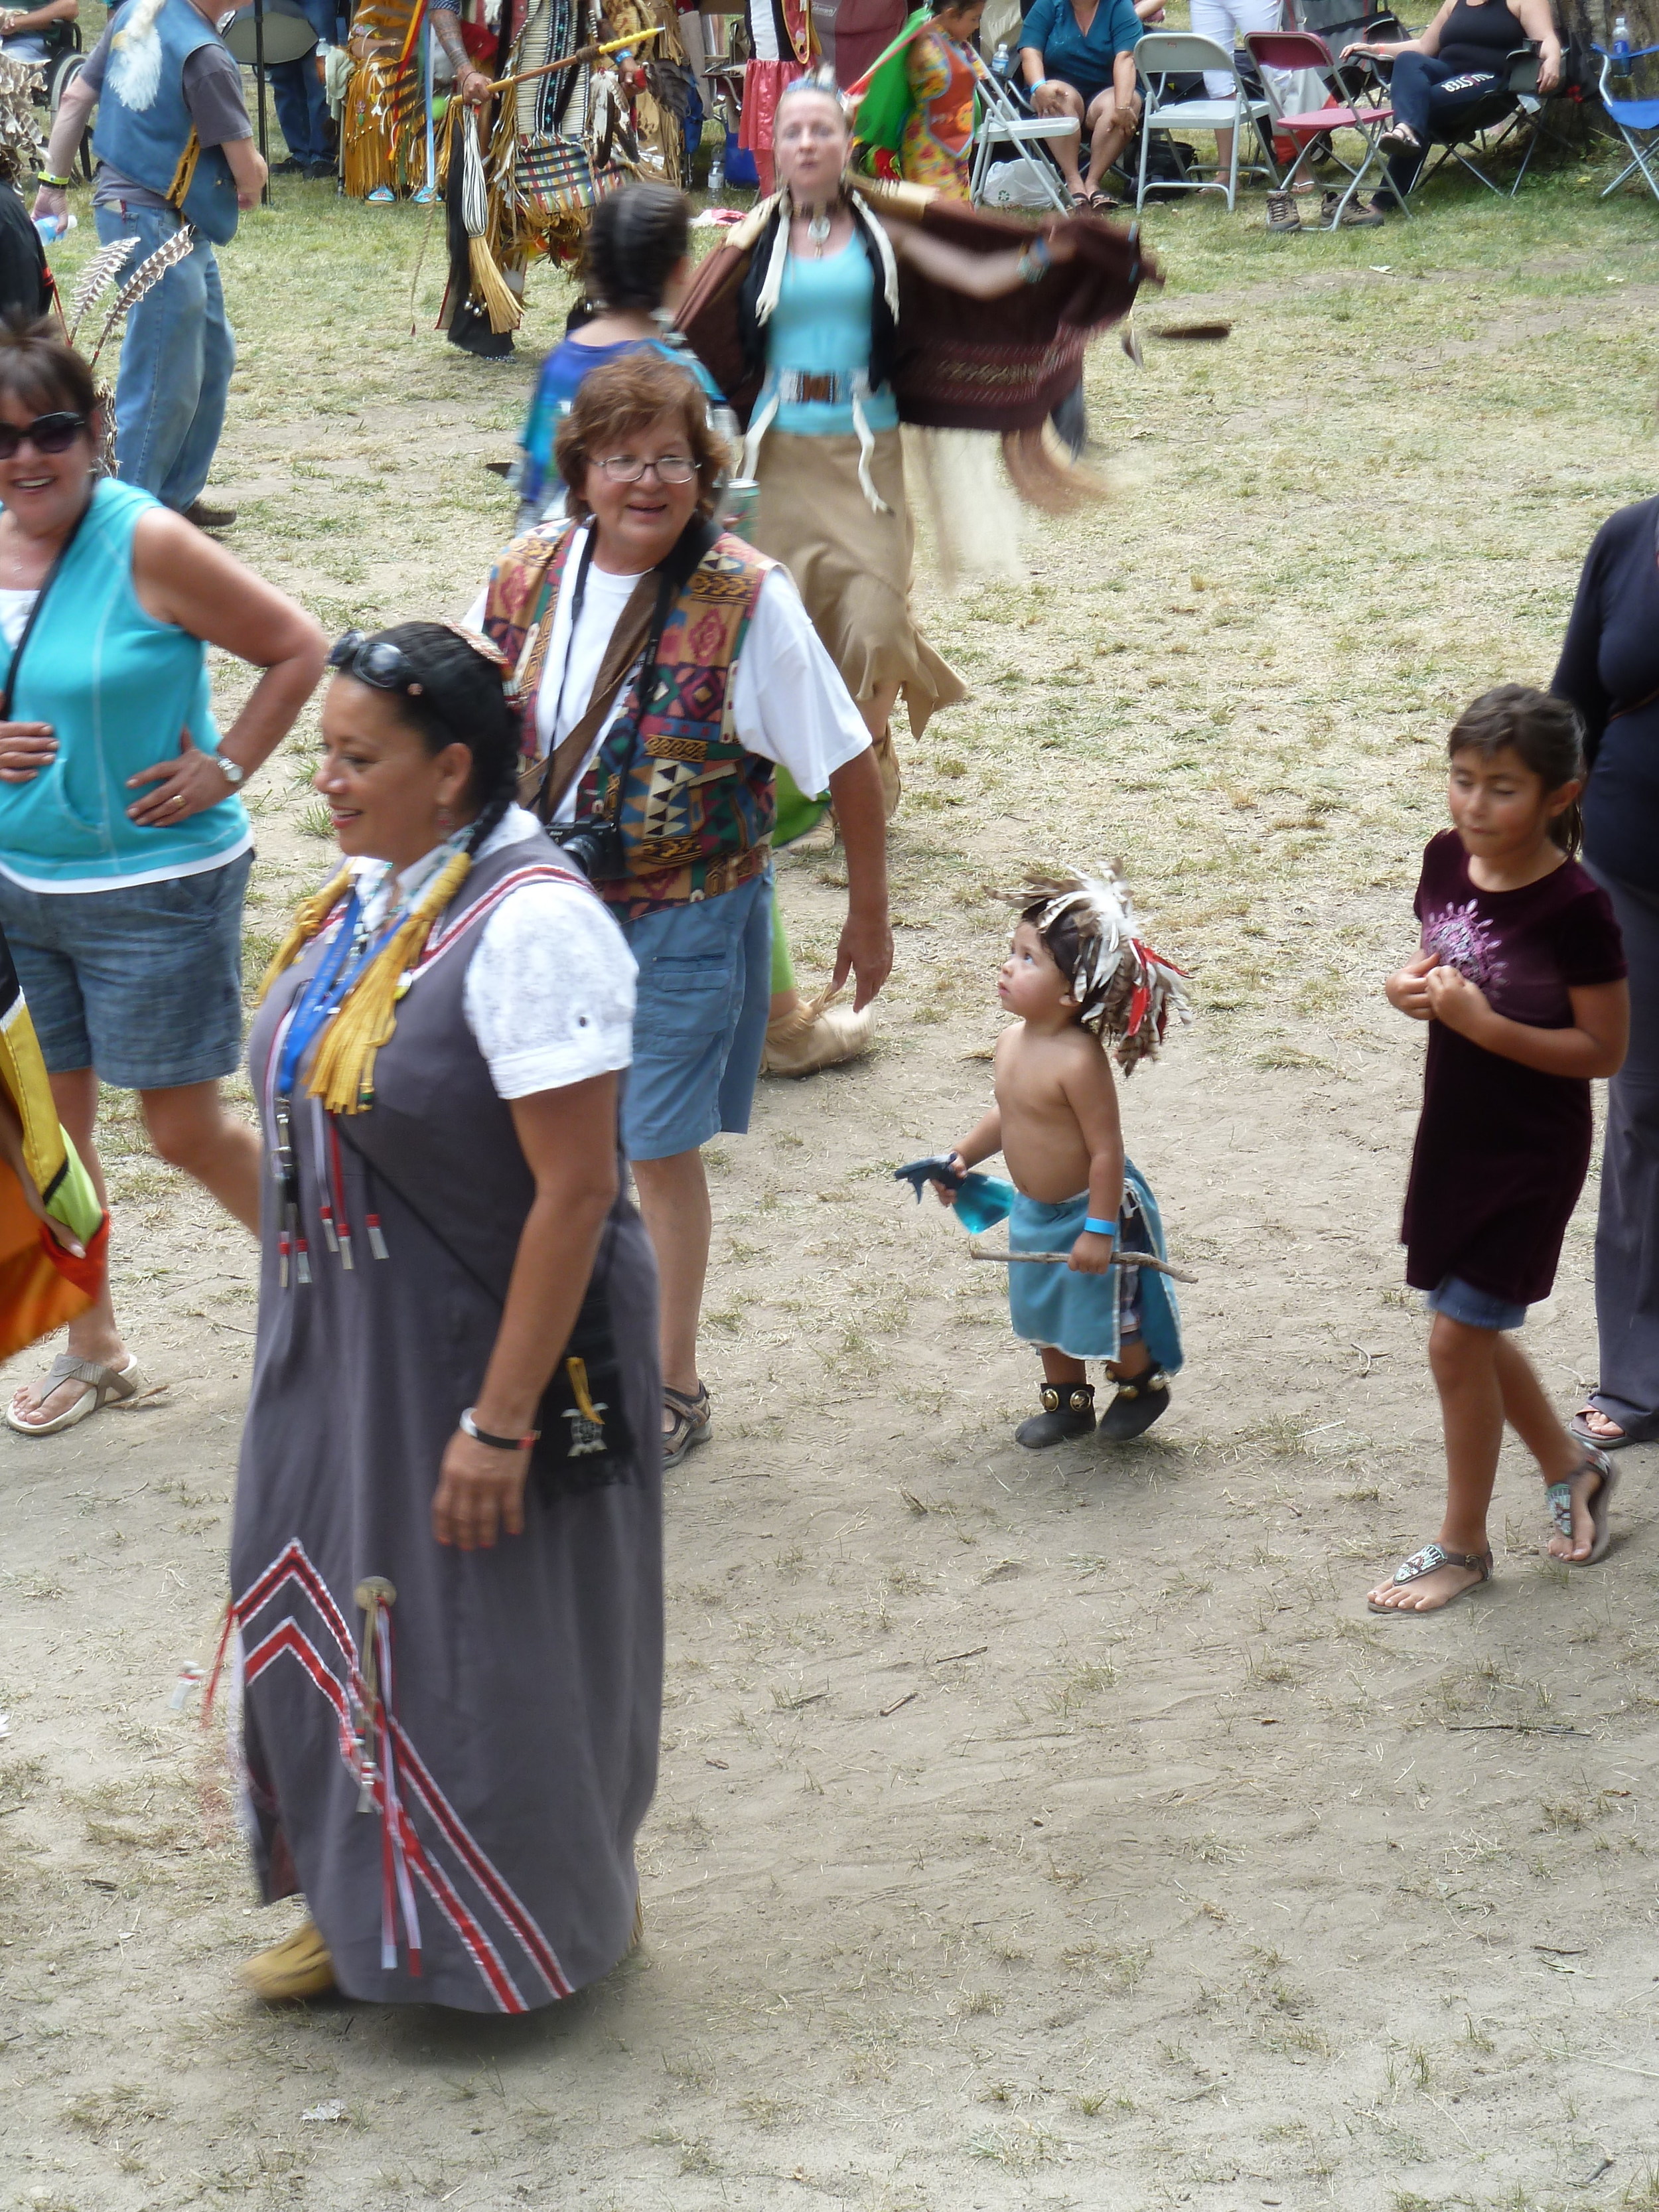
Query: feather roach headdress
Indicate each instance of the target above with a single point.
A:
(1127, 991)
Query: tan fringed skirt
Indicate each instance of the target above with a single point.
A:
(851, 566)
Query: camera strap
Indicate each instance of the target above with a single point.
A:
(639, 625)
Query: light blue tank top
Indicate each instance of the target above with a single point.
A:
(821, 327)
(118, 688)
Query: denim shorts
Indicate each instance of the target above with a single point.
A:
(1461, 1301)
(144, 984)
(705, 987)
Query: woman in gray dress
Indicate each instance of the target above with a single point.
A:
(446, 1557)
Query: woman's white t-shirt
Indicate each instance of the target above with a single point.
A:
(550, 988)
(788, 702)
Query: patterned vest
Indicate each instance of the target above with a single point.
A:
(696, 810)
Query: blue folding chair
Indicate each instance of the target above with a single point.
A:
(1637, 121)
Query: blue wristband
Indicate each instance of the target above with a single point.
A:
(1093, 1228)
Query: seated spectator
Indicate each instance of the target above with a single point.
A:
(23, 30)
(1446, 70)
(1077, 58)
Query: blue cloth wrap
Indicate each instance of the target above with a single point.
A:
(1077, 1315)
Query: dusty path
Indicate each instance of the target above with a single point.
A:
(1047, 1830)
(1032, 1831)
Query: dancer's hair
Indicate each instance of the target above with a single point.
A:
(461, 701)
(38, 369)
(820, 79)
(621, 399)
(1544, 733)
(1124, 992)
(637, 240)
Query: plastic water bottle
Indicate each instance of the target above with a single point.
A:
(1002, 65)
(1620, 47)
(51, 229)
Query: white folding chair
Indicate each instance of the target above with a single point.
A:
(1164, 54)
(1003, 123)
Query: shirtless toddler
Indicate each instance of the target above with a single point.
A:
(1079, 979)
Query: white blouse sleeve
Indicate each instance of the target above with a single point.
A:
(549, 991)
(789, 703)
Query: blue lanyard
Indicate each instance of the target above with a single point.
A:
(320, 999)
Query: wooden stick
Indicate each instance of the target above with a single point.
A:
(1061, 1258)
(570, 61)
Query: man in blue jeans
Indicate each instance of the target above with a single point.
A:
(174, 146)
(302, 107)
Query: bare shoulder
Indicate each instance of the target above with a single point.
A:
(1087, 1064)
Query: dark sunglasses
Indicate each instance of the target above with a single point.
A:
(47, 434)
(374, 660)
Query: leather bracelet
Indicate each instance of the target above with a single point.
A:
(1093, 1228)
(53, 184)
(469, 1428)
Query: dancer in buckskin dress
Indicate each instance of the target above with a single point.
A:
(446, 1557)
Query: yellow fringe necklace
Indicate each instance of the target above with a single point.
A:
(343, 1071)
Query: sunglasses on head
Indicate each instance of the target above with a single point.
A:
(47, 434)
(376, 660)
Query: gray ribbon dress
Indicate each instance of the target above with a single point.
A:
(457, 1792)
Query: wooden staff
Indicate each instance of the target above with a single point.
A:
(584, 54)
(1062, 1259)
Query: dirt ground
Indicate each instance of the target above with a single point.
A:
(1037, 1831)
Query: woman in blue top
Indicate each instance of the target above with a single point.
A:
(818, 308)
(124, 848)
(634, 266)
(1077, 58)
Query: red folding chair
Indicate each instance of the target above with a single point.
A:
(1293, 52)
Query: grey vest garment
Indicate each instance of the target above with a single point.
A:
(527, 1679)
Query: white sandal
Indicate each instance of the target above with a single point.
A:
(104, 1386)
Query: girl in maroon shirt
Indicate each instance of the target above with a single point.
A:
(1521, 980)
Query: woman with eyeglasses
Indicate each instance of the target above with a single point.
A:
(666, 672)
(124, 849)
(447, 1556)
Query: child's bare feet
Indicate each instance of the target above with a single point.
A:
(1578, 1511)
(1430, 1579)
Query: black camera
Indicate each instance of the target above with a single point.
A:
(594, 844)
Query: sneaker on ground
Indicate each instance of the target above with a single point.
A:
(209, 518)
(1284, 215)
(1354, 216)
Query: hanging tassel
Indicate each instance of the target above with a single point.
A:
(343, 1074)
(505, 309)
(309, 917)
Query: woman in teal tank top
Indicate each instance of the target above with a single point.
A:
(124, 846)
(819, 304)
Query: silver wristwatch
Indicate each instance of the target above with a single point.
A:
(232, 771)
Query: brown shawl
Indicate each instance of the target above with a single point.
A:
(962, 364)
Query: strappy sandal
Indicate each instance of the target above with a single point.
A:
(1429, 1561)
(691, 1420)
(1558, 1501)
(1141, 1399)
(1079, 203)
(1103, 204)
(104, 1386)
